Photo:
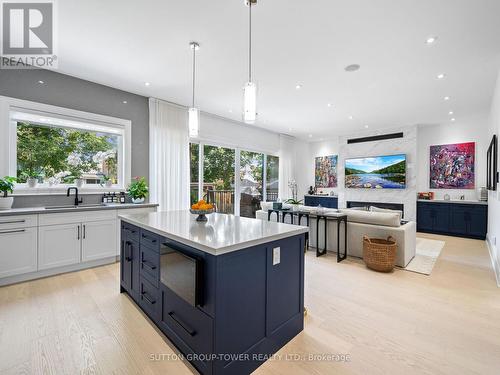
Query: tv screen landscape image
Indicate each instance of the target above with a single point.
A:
(379, 172)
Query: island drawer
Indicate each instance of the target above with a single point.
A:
(189, 323)
(150, 240)
(18, 221)
(149, 298)
(131, 232)
(150, 265)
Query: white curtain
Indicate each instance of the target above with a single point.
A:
(286, 165)
(168, 155)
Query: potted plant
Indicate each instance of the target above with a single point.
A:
(106, 181)
(31, 178)
(6, 186)
(294, 202)
(138, 190)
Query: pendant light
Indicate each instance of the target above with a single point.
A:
(250, 88)
(193, 112)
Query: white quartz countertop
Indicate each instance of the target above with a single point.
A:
(219, 235)
(60, 209)
(458, 201)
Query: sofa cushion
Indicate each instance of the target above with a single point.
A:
(374, 218)
(378, 209)
(266, 206)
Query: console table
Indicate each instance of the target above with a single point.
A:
(453, 218)
(326, 201)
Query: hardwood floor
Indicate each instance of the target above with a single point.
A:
(398, 323)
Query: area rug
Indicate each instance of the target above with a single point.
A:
(425, 257)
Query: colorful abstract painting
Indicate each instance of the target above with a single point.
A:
(326, 171)
(452, 166)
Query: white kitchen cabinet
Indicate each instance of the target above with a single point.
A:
(18, 251)
(98, 240)
(59, 245)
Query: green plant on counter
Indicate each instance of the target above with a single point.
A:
(293, 201)
(7, 185)
(138, 188)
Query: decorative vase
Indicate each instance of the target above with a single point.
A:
(295, 207)
(79, 182)
(137, 200)
(32, 182)
(6, 203)
(109, 183)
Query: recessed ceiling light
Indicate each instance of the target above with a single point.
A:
(41, 82)
(446, 98)
(450, 113)
(441, 76)
(366, 126)
(352, 68)
(329, 104)
(310, 135)
(230, 110)
(289, 129)
(124, 102)
(350, 117)
(453, 120)
(431, 40)
(147, 84)
(298, 86)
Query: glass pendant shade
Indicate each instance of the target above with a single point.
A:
(250, 102)
(194, 122)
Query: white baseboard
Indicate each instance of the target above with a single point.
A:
(494, 259)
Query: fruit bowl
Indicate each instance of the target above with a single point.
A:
(202, 214)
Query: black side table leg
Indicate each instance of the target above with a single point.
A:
(339, 257)
(326, 227)
(318, 253)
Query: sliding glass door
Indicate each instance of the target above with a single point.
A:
(251, 182)
(232, 179)
(218, 177)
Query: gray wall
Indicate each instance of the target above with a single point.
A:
(70, 92)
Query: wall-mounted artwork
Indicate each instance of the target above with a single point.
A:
(492, 165)
(326, 171)
(452, 166)
(378, 172)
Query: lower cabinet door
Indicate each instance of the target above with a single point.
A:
(149, 299)
(59, 245)
(98, 240)
(18, 251)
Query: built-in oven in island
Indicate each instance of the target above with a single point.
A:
(182, 273)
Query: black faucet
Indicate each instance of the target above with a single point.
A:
(77, 201)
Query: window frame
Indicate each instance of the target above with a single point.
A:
(237, 165)
(8, 126)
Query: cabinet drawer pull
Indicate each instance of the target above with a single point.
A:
(12, 222)
(78, 232)
(14, 231)
(144, 295)
(148, 238)
(176, 319)
(84, 231)
(150, 265)
(128, 253)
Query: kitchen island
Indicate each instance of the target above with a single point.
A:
(228, 292)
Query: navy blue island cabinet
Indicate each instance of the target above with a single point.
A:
(226, 313)
(454, 218)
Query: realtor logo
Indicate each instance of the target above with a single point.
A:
(28, 35)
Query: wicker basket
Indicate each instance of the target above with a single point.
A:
(379, 254)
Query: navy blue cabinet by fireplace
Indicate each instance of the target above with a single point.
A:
(246, 308)
(455, 219)
(323, 200)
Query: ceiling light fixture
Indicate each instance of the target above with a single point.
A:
(124, 102)
(298, 87)
(450, 113)
(366, 126)
(441, 76)
(310, 135)
(446, 98)
(352, 68)
(329, 104)
(193, 112)
(250, 88)
(41, 82)
(453, 120)
(350, 117)
(431, 40)
(147, 84)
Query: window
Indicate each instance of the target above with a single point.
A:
(233, 179)
(57, 155)
(218, 177)
(52, 147)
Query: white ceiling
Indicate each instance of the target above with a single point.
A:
(124, 43)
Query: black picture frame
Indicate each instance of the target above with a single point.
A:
(492, 165)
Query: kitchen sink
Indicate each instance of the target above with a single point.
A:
(69, 207)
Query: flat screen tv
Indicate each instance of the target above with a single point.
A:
(378, 172)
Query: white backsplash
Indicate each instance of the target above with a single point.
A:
(406, 145)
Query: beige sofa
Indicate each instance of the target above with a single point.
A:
(375, 223)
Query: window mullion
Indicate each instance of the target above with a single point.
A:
(264, 178)
(237, 182)
(201, 162)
